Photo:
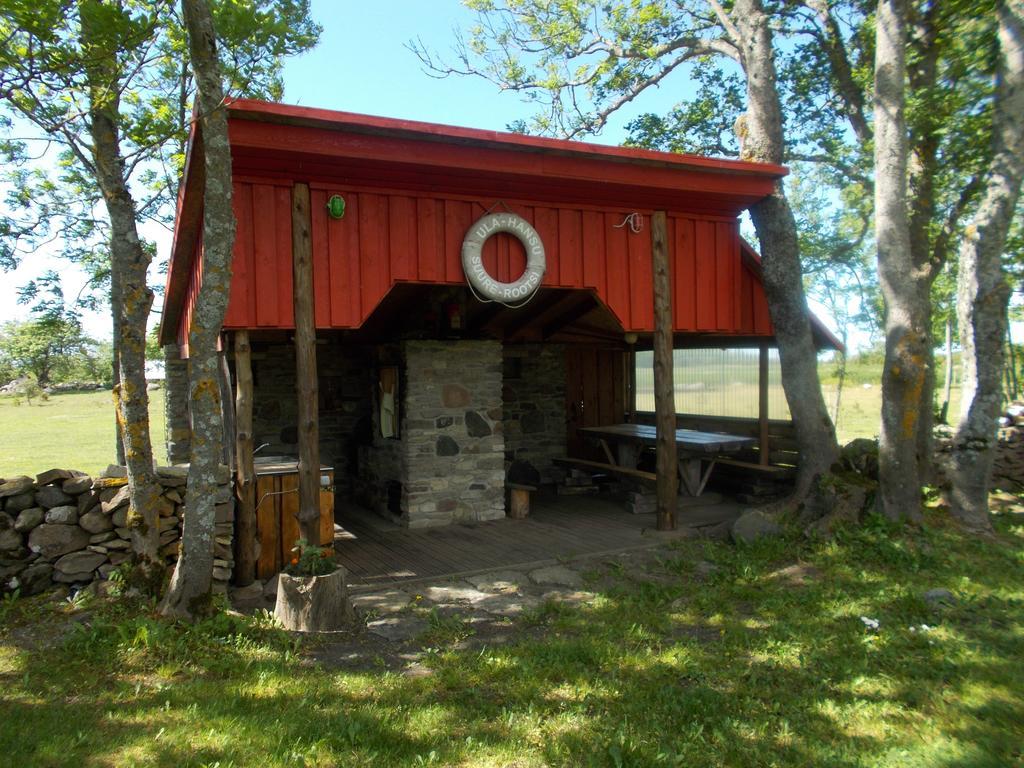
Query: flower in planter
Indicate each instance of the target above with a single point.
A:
(310, 560)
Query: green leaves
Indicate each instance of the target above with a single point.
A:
(130, 56)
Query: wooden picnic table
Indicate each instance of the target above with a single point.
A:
(694, 448)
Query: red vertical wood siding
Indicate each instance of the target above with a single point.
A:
(616, 254)
(684, 271)
(385, 238)
(594, 255)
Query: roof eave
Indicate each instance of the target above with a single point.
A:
(823, 337)
(186, 223)
(251, 109)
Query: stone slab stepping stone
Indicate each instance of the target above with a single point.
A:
(398, 629)
(568, 596)
(557, 575)
(466, 614)
(508, 605)
(500, 581)
(392, 601)
(456, 592)
(416, 670)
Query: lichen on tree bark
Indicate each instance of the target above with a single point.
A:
(982, 290)
(189, 591)
(129, 260)
(780, 251)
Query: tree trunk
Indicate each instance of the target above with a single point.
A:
(923, 167)
(905, 290)
(780, 252)
(131, 297)
(314, 603)
(763, 432)
(115, 387)
(664, 389)
(925, 443)
(189, 592)
(245, 487)
(839, 384)
(982, 291)
(227, 412)
(305, 368)
(947, 382)
(1011, 356)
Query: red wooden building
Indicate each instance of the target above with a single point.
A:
(397, 326)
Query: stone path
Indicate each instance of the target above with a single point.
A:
(479, 601)
(402, 624)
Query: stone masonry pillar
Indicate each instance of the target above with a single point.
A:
(176, 410)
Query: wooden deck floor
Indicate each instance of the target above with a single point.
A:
(377, 553)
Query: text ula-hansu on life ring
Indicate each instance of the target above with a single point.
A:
(472, 258)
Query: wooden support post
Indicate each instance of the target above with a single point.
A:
(762, 405)
(305, 367)
(227, 407)
(630, 376)
(664, 388)
(245, 476)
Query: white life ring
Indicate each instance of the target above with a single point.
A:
(480, 281)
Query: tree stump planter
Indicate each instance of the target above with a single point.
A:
(314, 603)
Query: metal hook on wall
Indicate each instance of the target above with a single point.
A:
(635, 221)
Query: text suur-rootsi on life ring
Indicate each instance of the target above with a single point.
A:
(473, 264)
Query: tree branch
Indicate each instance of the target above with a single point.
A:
(852, 95)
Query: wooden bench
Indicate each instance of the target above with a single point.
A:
(767, 469)
(596, 467)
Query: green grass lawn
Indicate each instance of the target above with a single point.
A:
(71, 431)
(761, 664)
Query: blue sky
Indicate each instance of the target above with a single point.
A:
(363, 64)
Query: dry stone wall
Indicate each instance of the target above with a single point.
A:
(66, 528)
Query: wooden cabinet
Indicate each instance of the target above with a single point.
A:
(277, 502)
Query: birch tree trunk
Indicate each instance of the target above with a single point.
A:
(762, 139)
(189, 592)
(1011, 355)
(923, 164)
(982, 291)
(839, 384)
(905, 290)
(131, 296)
(947, 382)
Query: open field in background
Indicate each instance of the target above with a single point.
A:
(731, 390)
(859, 409)
(72, 431)
(76, 431)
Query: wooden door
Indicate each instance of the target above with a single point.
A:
(595, 395)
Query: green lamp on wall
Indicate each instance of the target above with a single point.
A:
(336, 206)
